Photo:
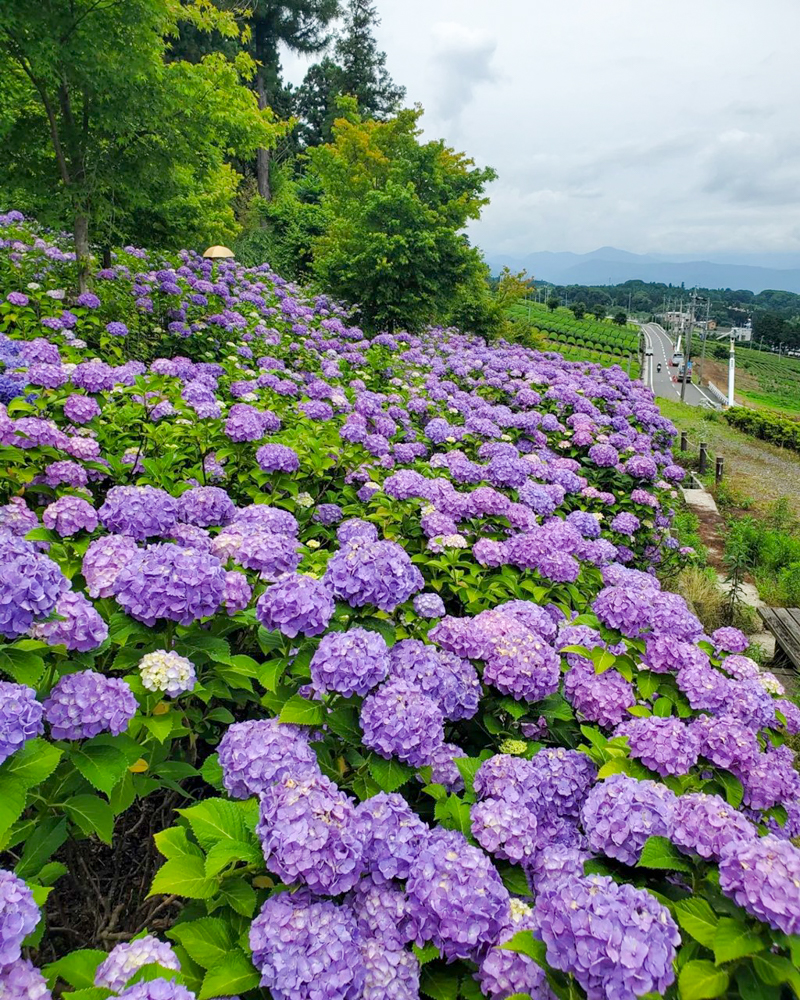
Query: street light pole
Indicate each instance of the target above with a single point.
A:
(731, 374)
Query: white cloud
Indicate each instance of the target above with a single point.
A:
(463, 61)
(652, 125)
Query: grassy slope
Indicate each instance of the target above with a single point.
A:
(753, 468)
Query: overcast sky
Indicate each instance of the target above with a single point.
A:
(667, 126)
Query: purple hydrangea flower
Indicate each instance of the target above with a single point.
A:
(237, 592)
(206, 506)
(707, 825)
(104, 560)
(68, 515)
(458, 900)
(532, 616)
(742, 668)
(328, 514)
(138, 511)
(392, 835)
(79, 625)
(625, 524)
(503, 973)
(20, 717)
(295, 604)
(81, 409)
(524, 666)
(17, 517)
(618, 941)
(726, 742)
(277, 458)
(19, 916)
(66, 472)
(307, 949)
(398, 720)
(622, 608)
(771, 780)
(379, 573)
(392, 973)
(356, 528)
(602, 698)
(554, 864)
(86, 703)
(751, 704)
(166, 581)
(350, 662)
(157, 989)
(308, 832)
(706, 689)
(620, 814)
(762, 876)
(562, 779)
(22, 981)
(381, 909)
(444, 677)
(266, 518)
(269, 554)
(444, 770)
(125, 960)
(254, 755)
(429, 605)
(505, 830)
(246, 423)
(665, 745)
(30, 587)
(731, 640)
(117, 329)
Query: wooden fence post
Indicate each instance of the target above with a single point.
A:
(703, 457)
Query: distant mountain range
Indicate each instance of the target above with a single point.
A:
(609, 266)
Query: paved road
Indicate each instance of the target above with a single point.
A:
(663, 385)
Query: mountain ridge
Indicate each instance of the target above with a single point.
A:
(612, 266)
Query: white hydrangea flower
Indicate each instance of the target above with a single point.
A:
(304, 500)
(771, 684)
(167, 672)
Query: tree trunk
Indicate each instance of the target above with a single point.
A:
(262, 155)
(81, 236)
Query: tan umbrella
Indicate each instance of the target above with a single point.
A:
(218, 253)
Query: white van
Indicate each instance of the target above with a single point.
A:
(677, 358)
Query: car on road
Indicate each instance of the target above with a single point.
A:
(677, 359)
(685, 368)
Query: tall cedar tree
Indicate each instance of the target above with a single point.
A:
(301, 25)
(356, 69)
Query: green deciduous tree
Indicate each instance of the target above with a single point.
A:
(110, 138)
(553, 303)
(394, 212)
(620, 318)
(578, 309)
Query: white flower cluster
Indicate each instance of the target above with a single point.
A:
(167, 672)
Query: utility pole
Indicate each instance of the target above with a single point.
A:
(705, 338)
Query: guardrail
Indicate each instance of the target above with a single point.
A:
(718, 394)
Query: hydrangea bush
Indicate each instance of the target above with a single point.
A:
(341, 668)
